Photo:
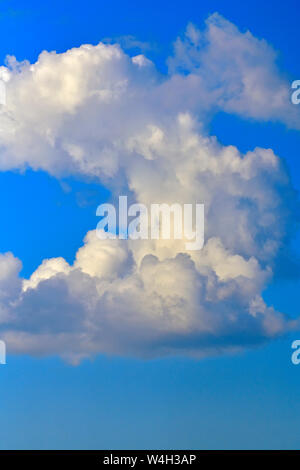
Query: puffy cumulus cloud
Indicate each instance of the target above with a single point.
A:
(70, 112)
(159, 307)
(153, 297)
(94, 111)
(78, 111)
(234, 71)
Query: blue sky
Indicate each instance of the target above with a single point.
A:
(244, 400)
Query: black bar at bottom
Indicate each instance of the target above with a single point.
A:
(136, 458)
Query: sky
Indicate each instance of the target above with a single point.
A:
(108, 371)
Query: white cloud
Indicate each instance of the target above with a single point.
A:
(95, 111)
(233, 71)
